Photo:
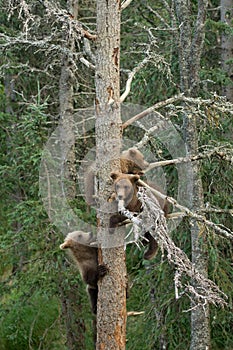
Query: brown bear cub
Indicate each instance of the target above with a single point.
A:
(86, 258)
(131, 161)
(126, 189)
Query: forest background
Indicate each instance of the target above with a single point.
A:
(43, 300)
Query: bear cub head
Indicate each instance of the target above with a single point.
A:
(125, 186)
(132, 161)
(78, 238)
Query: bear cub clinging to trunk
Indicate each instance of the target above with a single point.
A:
(86, 258)
(126, 188)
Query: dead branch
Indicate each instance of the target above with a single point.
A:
(198, 288)
(176, 215)
(220, 151)
(158, 15)
(217, 104)
(87, 63)
(45, 43)
(125, 4)
(223, 231)
(216, 210)
(173, 161)
(53, 14)
(135, 313)
(131, 76)
(149, 132)
(88, 35)
(152, 109)
(87, 50)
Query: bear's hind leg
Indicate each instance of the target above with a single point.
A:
(93, 295)
(153, 247)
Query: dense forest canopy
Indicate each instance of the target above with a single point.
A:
(173, 57)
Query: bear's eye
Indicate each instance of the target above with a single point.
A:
(126, 187)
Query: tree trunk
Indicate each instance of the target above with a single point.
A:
(190, 50)
(227, 47)
(200, 328)
(111, 310)
(75, 326)
(66, 92)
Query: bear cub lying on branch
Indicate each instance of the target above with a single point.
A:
(86, 258)
(126, 188)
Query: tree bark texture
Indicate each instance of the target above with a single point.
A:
(75, 327)
(67, 136)
(190, 43)
(227, 47)
(200, 328)
(111, 308)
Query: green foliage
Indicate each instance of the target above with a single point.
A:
(163, 323)
(31, 324)
(36, 280)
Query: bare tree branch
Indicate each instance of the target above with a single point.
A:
(53, 14)
(217, 211)
(131, 76)
(87, 63)
(151, 109)
(125, 4)
(218, 151)
(216, 104)
(135, 313)
(224, 232)
(152, 220)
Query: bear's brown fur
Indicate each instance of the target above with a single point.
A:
(86, 258)
(126, 188)
(131, 161)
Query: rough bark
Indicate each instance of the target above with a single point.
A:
(227, 47)
(191, 39)
(66, 95)
(200, 328)
(70, 309)
(184, 41)
(111, 309)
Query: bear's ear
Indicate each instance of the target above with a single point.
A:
(115, 175)
(134, 178)
(132, 152)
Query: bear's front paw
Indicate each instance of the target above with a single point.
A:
(102, 270)
(112, 198)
